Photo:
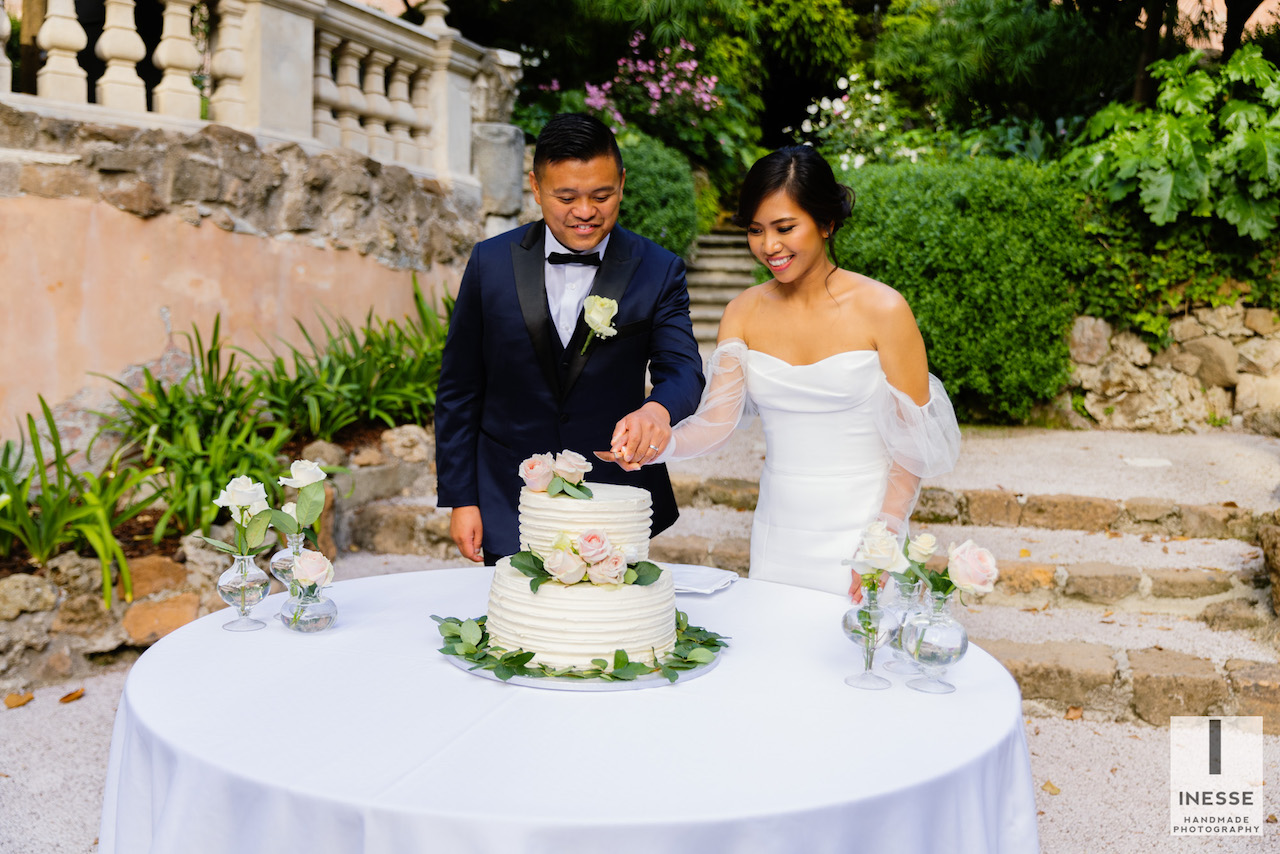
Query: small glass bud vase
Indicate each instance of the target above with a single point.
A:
(307, 609)
(243, 586)
(282, 561)
(869, 627)
(935, 640)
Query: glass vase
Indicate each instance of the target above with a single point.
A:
(935, 640)
(869, 626)
(902, 598)
(282, 561)
(243, 586)
(308, 610)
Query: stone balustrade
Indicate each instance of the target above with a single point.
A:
(320, 73)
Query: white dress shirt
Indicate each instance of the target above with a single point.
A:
(568, 286)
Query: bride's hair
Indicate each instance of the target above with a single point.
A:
(807, 179)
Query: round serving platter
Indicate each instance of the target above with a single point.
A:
(569, 683)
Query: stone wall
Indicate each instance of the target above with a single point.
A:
(117, 238)
(54, 626)
(1223, 368)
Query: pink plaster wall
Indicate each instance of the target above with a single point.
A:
(85, 287)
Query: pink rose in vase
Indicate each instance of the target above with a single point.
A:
(594, 546)
(537, 472)
(972, 568)
(611, 570)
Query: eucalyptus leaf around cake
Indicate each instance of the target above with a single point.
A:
(468, 639)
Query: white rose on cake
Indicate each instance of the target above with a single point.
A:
(611, 570)
(537, 472)
(565, 566)
(571, 466)
(594, 546)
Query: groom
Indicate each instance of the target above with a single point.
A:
(520, 374)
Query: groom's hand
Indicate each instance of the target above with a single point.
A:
(641, 436)
(466, 529)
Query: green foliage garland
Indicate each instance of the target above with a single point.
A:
(469, 639)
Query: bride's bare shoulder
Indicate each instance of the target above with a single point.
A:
(880, 301)
(737, 314)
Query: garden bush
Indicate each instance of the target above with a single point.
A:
(986, 253)
(659, 200)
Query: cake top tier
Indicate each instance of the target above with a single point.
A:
(622, 512)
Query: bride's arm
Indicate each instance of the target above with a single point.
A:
(724, 398)
(914, 415)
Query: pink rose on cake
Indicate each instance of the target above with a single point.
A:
(611, 570)
(971, 567)
(571, 466)
(537, 472)
(565, 566)
(594, 546)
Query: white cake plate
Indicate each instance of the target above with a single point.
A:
(568, 683)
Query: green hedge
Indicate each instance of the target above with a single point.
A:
(987, 253)
(659, 201)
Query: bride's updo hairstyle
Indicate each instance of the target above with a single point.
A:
(807, 179)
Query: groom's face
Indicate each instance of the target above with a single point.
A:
(579, 199)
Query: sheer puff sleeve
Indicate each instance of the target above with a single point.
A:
(923, 441)
(724, 402)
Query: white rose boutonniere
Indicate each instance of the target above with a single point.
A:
(600, 312)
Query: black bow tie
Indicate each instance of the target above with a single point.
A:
(593, 259)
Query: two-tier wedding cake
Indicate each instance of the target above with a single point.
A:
(582, 588)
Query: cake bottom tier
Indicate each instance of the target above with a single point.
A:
(570, 626)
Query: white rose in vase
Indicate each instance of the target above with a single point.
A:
(312, 570)
(922, 547)
(879, 550)
(244, 497)
(303, 473)
(971, 567)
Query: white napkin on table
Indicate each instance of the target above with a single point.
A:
(701, 579)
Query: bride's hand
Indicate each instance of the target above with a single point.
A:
(855, 587)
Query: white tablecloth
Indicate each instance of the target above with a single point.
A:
(365, 739)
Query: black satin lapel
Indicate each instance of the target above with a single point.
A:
(527, 266)
(616, 271)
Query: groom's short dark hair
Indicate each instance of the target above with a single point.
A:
(574, 136)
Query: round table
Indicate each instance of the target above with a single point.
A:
(364, 738)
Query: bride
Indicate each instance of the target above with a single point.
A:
(834, 364)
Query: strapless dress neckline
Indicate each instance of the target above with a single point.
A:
(783, 361)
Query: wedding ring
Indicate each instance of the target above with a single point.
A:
(653, 447)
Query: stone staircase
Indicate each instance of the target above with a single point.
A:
(720, 267)
(1107, 608)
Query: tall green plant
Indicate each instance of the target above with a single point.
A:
(53, 507)
(384, 371)
(1210, 148)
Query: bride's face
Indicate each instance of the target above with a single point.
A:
(787, 240)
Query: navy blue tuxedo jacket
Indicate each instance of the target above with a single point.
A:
(509, 389)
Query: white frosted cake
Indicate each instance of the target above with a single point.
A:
(570, 625)
(622, 512)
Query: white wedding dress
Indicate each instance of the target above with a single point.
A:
(843, 448)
